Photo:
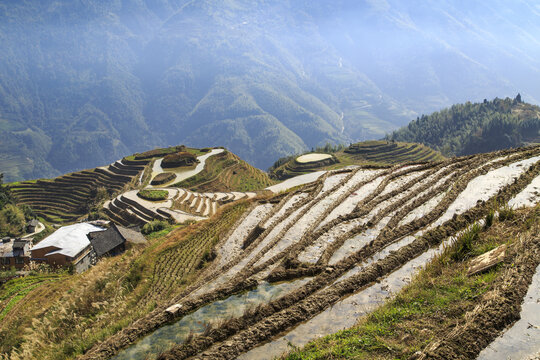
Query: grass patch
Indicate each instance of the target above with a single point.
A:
(153, 195)
(16, 290)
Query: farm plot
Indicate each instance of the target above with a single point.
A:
(15, 290)
(402, 214)
(179, 205)
(182, 173)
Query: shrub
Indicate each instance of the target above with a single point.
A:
(12, 221)
(163, 178)
(179, 159)
(489, 219)
(29, 214)
(506, 213)
(153, 226)
(464, 243)
(153, 195)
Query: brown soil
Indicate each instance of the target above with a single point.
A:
(293, 308)
(163, 178)
(248, 331)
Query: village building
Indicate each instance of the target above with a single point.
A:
(112, 241)
(67, 245)
(14, 253)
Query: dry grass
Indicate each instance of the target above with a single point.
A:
(63, 319)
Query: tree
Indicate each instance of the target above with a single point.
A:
(12, 221)
(5, 194)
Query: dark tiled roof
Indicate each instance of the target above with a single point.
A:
(132, 235)
(20, 244)
(105, 241)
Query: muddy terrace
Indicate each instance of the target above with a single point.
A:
(341, 234)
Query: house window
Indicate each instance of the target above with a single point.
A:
(5, 261)
(19, 260)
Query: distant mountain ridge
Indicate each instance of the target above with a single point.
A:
(85, 83)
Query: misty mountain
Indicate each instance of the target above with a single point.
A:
(85, 82)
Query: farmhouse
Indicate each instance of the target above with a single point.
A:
(14, 253)
(113, 240)
(67, 245)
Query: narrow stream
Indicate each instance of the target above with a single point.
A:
(523, 338)
(165, 337)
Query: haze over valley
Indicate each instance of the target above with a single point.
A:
(83, 83)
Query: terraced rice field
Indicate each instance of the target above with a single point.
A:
(226, 172)
(353, 236)
(312, 158)
(181, 173)
(392, 152)
(367, 153)
(67, 197)
(181, 205)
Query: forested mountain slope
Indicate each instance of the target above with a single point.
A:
(83, 83)
(473, 128)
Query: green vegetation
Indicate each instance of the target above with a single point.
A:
(179, 159)
(5, 194)
(473, 128)
(16, 289)
(153, 195)
(13, 218)
(156, 226)
(227, 172)
(437, 299)
(464, 243)
(12, 221)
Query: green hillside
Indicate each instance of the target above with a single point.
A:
(227, 172)
(147, 73)
(381, 153)
(74, 195)
(475, 128)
